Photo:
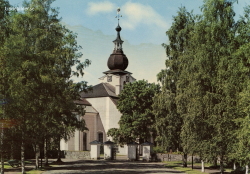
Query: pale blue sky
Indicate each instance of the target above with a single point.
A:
(143, 21)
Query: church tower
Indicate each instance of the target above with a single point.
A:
(101, 113)
(117, 64)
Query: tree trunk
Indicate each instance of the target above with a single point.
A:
(59, 152)
(202, 166)
(185, 160)
(12, 150)
(46, 163)
(2, 161)
(221, 165)
(2, 164)
(37, 151)
(246, 169)
(215, 162)
(192, 161)
(22, 156)
(234, 168)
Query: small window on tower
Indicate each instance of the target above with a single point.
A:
(109, 78)
(127, 78)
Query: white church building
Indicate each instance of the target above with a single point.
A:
(101, 113)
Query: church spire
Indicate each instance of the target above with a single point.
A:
(117, 61)
(118, 41)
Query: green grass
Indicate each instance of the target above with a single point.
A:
(6, 166)
(34, 172)
(188, 170)
(228, 170)
(177, 165)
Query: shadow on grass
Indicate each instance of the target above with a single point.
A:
(113, 166)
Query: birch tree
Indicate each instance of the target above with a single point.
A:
(39, 54)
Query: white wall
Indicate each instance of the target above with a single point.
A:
(117, 81)
(77, 140)
(63, 145)
(123, 150)
(108, 112)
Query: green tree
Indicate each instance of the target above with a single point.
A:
(135, 104)
(38, 55)
(241, 148)
(4, 5)
(207, 77)
(168, 108)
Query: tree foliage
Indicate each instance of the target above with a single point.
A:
(206, 71)
(135, 105)
(38, 56)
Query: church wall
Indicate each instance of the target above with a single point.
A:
(63, 145)
(90, 120)
(114, 115)
(100, 105)
(95, 126)
(109, 114)
(100, 129)
(118, 81)
(77, 140)
(71, 143)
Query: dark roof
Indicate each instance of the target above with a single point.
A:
(132, 143)
(147, 144)
(82, 101)
(95, 142)
(108, 142)
(114, 100)
(100, 90)
(116, 71)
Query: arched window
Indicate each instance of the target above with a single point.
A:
(100, 137)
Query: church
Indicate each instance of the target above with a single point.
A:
(101, 113)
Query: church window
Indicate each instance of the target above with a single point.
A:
(109, 78)
(100, 137)
(84, 138)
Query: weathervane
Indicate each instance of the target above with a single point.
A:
(118, 14)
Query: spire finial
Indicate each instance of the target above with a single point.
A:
(118, 14)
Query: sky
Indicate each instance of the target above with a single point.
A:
(144, 24)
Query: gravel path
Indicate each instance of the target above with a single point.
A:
(115, 166)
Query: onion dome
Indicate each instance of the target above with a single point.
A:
(118, 59)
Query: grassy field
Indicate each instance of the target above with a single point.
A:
(177, 165)
(34, 172)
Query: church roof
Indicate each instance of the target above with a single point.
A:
(100, 90)
(114, 100)
(90, 109)
(117, 71)
(82, 101)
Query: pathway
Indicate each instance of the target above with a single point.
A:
(115, 166)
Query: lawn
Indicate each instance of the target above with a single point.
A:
(34, 172)
(177, 165)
